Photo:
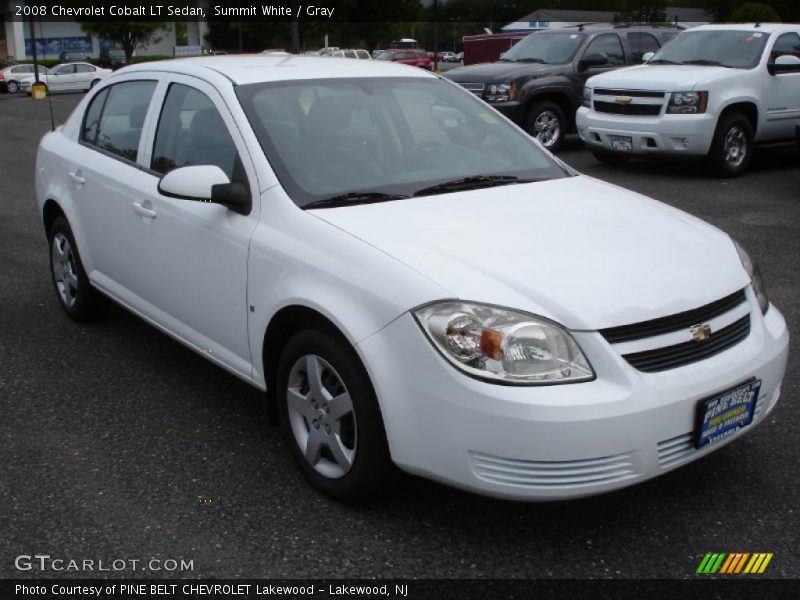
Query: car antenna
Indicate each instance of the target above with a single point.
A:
(52, 118)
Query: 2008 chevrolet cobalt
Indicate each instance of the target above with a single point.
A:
(412, 279)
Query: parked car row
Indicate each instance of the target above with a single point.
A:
(74, 76)
(714, 91)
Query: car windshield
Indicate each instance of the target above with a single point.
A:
(386, 137)
(733, 49)
(547, 48)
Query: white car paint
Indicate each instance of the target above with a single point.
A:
(776, 98)
(580, 252)
(77, 76)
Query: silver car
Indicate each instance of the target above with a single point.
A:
(77, 76)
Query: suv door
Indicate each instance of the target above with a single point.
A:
(191, 267)
(608, 44)
(782, 92)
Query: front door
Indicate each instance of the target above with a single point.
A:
(782, 92)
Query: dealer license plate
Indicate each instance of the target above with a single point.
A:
(622, 142)
(723, 414)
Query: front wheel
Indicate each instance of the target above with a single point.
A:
(76, 295)
(12, 87)
(732, 147)
(546, 122)
(330, 416)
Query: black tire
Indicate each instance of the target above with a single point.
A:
(12, 87)
(545, 111)
(86, 303)
(611, 158)
(371, 470)
(733, 130)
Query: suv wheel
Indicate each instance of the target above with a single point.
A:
(76, 295)
(546, 122)
(12, 87)
(330, 416)
(732, 147)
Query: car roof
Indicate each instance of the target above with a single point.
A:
(765, 27)
(244, 69)
(606, 28)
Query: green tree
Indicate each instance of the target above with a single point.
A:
(755, 12)
(127, 34)
(641, 11)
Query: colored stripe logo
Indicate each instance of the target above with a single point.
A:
(734, 563)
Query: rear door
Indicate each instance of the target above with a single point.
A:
(61, 78)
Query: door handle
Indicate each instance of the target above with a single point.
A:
(76, 177)
(141, 209)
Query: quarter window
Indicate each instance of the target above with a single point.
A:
(191, 132)
(115, 118)
(610, 45)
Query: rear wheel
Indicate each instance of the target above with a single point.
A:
(732, 147)
(76, 295)
(546, 122)
(12, 87)
(330, 416)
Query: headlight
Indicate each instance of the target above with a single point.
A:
(755, 277)
(501, 92)
(503, 345)
(587, 97)
(687, 102)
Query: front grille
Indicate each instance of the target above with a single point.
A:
(627, 109)
(675, 450)
(671, 357)
(552, 474)
(676, 322)
(475, 88)
(631, 93)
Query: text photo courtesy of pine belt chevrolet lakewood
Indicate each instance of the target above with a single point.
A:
(412, 279)
(715, 91)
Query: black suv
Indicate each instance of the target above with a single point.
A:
(111, 58)
(538, 83)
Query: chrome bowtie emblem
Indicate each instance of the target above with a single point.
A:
(700, 333)
(623, 100)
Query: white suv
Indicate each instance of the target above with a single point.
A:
(713, 91)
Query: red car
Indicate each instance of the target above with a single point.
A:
(407, 56)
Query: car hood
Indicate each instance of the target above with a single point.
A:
(497, 72)
(576, 250)
(670, 78)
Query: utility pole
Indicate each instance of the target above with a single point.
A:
(33, 49)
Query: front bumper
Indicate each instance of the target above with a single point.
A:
(558, 441)
(664, 134)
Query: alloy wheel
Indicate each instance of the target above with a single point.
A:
(65, 272)
(735, 146)
(547, 128)
(321, 416)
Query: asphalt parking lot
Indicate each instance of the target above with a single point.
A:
(117, 442)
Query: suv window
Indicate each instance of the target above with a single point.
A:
(191, 132)
(115, 118)
(641, 43)
(788, 43)
(608, 44)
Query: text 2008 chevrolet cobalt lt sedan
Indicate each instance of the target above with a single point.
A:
(413, 279)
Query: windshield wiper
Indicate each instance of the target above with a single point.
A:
(662, 61)
(471, 183)
(704, 62)
(531, 60)
(353, 198)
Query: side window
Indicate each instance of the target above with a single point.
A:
(610, 45)
(191, 132)
(641, 43)
(788, 43)
(120, 119)
(84, 68)
(65, 70)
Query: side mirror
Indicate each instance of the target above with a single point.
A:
(595, 59)
(206, 183)
(647, 56)
(786, 63)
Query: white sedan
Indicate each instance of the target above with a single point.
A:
(74, 76)
(411, 278)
